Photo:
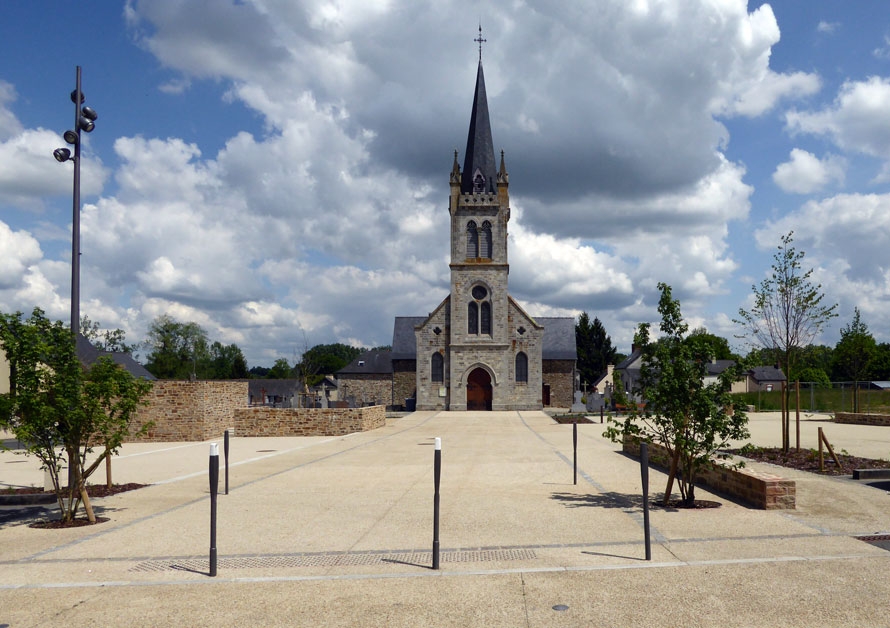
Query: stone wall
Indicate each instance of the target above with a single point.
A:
(263, 421)
(559, 374)
(404, 381)
(757, 488)
(189, 411)
(367, 388)
(862, 419)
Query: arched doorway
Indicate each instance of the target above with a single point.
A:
(479, 390)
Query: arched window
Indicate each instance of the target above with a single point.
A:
(437, 368)
(486, 318)
(521, 367)
(472, 318)
(472, 240)
(486, 240)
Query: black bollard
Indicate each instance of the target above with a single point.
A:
(575, 447)
(601, 413)
(644, 471)
(226, 451)
(437, 474)
(214, 487)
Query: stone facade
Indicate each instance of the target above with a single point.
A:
(404, 381)
(190, 411)
(367, 389)
(559, 375)
(307, 421)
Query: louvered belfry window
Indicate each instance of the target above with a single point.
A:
(472, 318)
(486, 240)
(437, 370)
(521, 367)
(472, 240)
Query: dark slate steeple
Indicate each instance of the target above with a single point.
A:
(479, 158)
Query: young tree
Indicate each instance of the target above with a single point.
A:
(788, 313)
(854, 352)
(595, 350)
(690, 419)
(60, 411)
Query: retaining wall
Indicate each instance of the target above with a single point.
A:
(189, 411)
(757, 488)
(862, 419)
(307, 421)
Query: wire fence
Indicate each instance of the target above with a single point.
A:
(862, 397)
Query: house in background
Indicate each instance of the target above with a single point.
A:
(368, 380)
(764, 378)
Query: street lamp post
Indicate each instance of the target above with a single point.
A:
(84, 120)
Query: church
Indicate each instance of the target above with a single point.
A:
(479, 349)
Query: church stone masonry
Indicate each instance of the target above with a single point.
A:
(479, 350)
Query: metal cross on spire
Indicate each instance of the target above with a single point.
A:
(480, 41)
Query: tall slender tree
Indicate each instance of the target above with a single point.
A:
(854, 352)
(789, 311)
(594, 345)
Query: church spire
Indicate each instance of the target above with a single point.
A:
(479, 162)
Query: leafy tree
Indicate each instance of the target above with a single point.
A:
(105, 340)
(854, 352)
(258, 372)
(718, 346)
(320, 360)
(224, 362)
(788, 312)
(595, 350)
(175, 348)
(814, 375)
(880, 362)
(60, 411)
(693, 421)
(280, 370)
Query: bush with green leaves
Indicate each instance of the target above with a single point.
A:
(692, 419)
(60, 410)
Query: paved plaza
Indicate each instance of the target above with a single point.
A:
(337, 531)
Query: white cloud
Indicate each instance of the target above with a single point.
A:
(827, 27)
(845, 238)
(856, 121)
(805, 173)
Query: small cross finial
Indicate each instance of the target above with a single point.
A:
(480, 41)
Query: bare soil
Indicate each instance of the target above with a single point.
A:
(808, 460)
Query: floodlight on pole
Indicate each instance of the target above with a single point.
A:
(84, 120)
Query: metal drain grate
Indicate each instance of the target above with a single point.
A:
(878, 540)
(350, 559)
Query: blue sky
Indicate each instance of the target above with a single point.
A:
(277, 171)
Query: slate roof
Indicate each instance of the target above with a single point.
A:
(88, 354)
(718, 366)
(370, 362)
(766, 374)
(559, 338)
(480, 148)
(404, 344)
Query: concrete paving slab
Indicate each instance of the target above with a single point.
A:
(338, 531)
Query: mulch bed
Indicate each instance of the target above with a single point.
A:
(58, 524)
(808, 460)
(564, 419)
(93, 490)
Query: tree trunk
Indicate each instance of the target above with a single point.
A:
(108, 483)
(675, 459)
(86, 504)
